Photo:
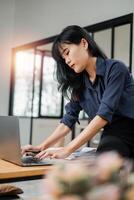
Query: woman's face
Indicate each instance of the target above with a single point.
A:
(76, 56)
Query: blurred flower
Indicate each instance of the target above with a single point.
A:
(108, 166)
(130, 179)
(71, 197)
(105, 192)
(107, 177)
(68, 179)
(129, 194)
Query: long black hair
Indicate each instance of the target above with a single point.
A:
(70, 82)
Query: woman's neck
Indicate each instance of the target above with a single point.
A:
(91, 68)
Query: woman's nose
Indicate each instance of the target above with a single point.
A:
(68, 61)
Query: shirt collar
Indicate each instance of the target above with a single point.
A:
(100, 71)
(100, 66)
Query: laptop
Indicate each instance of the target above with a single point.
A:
(10, 147)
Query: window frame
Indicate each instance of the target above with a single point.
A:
(126, 19)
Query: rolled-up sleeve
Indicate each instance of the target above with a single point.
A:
(114, 88)
(72, 114)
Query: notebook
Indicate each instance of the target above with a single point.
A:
(10, 148)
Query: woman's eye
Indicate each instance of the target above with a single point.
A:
(66, 53)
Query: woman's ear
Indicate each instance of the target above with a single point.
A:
(84, 43)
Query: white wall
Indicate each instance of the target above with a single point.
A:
(24, 21)
(7, 9)
(43, 18)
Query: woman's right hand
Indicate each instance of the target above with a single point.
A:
(30, 148)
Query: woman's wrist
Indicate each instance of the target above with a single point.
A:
(41, 147)
(69, 149)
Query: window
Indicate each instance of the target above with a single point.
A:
(50, 97)
(122, 43)
(22, 103)
(34, 89)
(115, 37)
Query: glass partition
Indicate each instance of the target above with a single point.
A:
(103, 39)
(35, 91)
(23, 85)
(122, 43)
(50, 97)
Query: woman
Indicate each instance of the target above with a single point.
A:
(102, 87)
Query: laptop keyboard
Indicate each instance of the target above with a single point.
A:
(31, 160)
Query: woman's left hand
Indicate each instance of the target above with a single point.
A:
(59, 152)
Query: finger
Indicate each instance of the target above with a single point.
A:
(54, 156)
(46, 155)
(39, 155)
(29, 149)
(25, 148)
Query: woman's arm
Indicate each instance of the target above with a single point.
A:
(92, 129)
(61, 131)
(72, 111)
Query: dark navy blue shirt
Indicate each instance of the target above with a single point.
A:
(112, 94)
